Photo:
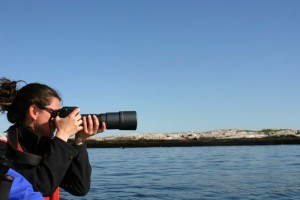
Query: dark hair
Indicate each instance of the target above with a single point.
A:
(17, 101)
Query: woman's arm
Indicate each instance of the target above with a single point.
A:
(78, 177)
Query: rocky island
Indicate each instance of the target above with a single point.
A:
(220, 137)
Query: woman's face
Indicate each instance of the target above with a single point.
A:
(44, 124)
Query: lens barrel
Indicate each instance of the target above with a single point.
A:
(123, 120)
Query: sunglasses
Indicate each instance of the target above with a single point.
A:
(53, 113)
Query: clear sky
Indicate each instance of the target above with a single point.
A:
(183, 65)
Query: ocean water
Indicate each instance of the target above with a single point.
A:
(228, 172)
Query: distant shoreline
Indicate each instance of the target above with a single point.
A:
(220, 137)
(274, 140)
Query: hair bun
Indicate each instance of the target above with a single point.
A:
(8, 91)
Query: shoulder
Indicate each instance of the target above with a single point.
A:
(3, 143)
(3, 137)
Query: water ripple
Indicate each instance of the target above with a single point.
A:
(237, 172)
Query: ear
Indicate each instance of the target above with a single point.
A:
(32, 112)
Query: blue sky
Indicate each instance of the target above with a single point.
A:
(183, 65)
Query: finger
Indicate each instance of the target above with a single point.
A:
(75, 112)
(84, 124)
(79, 128)
(90, 124)
(79, 122)
(78, 117)
(96, 124)
(103, 127)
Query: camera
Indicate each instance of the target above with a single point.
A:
(122, 120)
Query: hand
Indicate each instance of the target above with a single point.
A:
(90, 127)
(68, 126)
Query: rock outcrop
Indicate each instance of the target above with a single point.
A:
(207, 138)
(215, 134)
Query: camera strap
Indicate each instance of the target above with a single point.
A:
(20, 156)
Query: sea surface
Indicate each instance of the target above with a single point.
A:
(224, 172)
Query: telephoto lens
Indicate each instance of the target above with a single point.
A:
(123, 120)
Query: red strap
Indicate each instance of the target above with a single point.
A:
(20, 155)
(55, 195)
(15, 144)
(20, 148)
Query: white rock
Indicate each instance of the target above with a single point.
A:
(217, 134)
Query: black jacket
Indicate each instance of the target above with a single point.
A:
(62, 165)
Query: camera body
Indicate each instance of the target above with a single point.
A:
(122, 120)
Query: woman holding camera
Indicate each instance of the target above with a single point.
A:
(44, 158)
